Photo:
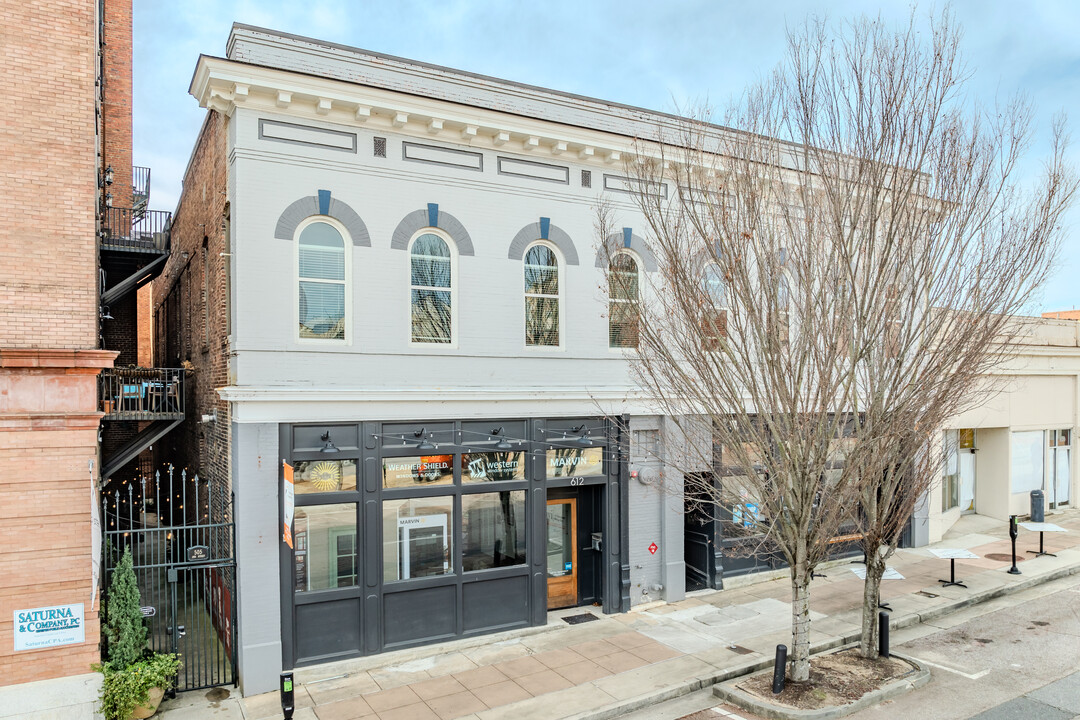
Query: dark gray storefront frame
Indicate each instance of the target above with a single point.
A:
(408, 613)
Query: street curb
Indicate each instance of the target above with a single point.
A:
(916, 679)
(671, 692)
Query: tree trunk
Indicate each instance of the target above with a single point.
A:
(875, 568)
(800, 624)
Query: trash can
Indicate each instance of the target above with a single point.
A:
(1038, 507)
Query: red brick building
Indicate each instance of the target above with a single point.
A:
(76, 245)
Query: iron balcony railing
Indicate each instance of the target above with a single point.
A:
(140, 188)
(142, 393)
(126, 229)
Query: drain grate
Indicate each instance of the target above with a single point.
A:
(578, 619)
(926, 594)
(739, 649)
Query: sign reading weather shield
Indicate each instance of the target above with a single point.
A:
(48, 627)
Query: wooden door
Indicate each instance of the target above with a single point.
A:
(562, 564)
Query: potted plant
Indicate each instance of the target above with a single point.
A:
(135, 679)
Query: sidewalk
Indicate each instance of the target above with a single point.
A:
(621, 663)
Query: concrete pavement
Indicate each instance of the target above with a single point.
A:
(622, 663)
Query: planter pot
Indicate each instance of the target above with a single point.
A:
(151, 706)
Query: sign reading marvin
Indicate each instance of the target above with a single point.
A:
(47, 627)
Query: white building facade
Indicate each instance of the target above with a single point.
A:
(418, 331)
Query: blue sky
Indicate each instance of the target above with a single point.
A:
(657, 55)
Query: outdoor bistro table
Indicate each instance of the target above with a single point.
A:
(952, 554)
(889, 574)
(1043, 527)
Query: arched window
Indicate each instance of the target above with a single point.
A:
(322, 282)
(431, 283)
(714, 325)
(541, 296)
(623, 301)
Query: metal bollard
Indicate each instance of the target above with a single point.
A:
(883, 634)
(779, 669)
(286, 690)
(1013, 532)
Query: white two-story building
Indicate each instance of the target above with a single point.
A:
(386, 278)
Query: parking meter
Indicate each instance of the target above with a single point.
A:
(286, 687)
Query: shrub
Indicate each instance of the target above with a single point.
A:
(124, 627)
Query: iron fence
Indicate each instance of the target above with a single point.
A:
(181, 536)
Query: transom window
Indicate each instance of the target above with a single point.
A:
(432, 287)
(623, 301)
(541, 296)
(322, 282)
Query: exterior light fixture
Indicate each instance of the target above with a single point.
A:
(328, 445)
(108, 200)
(424, 444)
(583, 440)
(502, 444)
(109, 175)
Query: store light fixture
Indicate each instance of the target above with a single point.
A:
(503, 444)
(583, 439)
(424, 445)
(328, 445)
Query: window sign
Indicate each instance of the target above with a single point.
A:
(492, 466)
(319, 476)
(47, 627)
(418, 471)
(575, 462)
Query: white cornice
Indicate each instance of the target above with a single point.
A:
(223, 85)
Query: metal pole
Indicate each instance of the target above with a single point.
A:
(779, 669)
(1013, 532)
(883, 634)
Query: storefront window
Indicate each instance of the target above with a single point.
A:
(575, 462)
(950, 474)
(492, 466)
(320, 476)
(1027, 461)
(325, 547)
(493, 530)
(418, 471)
(417, 536)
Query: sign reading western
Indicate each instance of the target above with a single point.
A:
(48, 627)
(492, 466)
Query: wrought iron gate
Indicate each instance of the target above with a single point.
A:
(181, 536)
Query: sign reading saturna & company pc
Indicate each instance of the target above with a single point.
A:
(48, 627)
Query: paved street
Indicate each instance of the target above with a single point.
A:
(629, 665)
(1012, 659)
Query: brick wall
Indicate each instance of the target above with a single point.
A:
(191, 308)
(116, 99)
(48, 439)
(48, 287)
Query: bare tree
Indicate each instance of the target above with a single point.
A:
(832, 278)
(940, 248)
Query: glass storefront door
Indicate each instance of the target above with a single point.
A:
(562, 566)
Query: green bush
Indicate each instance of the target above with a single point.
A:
(129, 672)
(124, 690)
(124, 627)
